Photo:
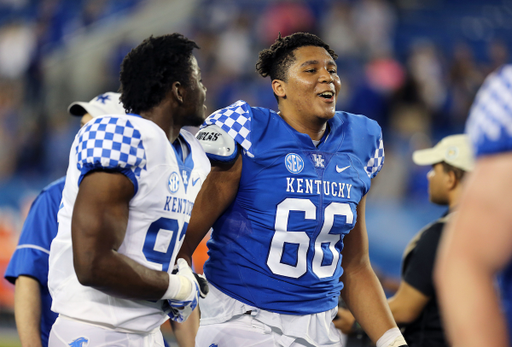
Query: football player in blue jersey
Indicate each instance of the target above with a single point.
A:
(286, 199)
(28, 267)
(130, 187)
(478, 244)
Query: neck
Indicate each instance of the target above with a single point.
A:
(314, 127)
(160, 116)
(454, 196)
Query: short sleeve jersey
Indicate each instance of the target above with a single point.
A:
(277, 246)
(31, 256)
(417, 270)
(489, 126)
(165, 189)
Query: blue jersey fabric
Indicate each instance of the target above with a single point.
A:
(489, 126)
(277, 247)
(31, 255)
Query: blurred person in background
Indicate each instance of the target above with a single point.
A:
(286, 200)
(477, 245)
(414, 306)
(28, 268)
(130, 187)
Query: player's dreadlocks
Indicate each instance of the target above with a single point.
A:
(276, 60)
(150, 69)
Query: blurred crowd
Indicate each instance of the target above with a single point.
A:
(414, 66)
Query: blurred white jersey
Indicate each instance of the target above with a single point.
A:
(166, 186)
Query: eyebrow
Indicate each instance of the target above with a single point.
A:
(314, 62)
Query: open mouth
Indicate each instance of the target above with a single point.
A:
(326, 95)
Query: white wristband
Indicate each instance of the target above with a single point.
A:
(178, 289)
(391, 338)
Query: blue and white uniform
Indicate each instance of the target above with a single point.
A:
(166, 181)
(31, 255)
(489, 126)
(276, 249)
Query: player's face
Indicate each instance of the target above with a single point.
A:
(312, 84)
(196, 96)
(437, 185)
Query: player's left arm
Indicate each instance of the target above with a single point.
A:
(476, 245)
(217, 193)
(362, 291)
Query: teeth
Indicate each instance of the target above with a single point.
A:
(328, 94)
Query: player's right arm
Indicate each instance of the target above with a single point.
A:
(476, 245)
(99, 222)
(217, 193)
(27, 311)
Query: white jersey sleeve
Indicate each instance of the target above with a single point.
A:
(110, 143)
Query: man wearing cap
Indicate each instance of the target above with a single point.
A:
(414, 305)
(28, 268)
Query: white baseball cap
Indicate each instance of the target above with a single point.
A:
(454, 150)
(107, 103)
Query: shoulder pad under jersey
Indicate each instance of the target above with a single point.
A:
(217, 144)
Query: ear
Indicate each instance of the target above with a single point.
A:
(177, 91)
(279, 88)
(451, 180)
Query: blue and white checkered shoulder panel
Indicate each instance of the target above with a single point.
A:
(110, 143)
(492, 110)
(375, 163)
(236, 121)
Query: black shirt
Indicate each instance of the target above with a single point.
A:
(418, 263)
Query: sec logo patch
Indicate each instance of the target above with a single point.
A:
(294, 163)
(173, 183)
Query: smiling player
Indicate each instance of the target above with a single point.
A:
(286, 199)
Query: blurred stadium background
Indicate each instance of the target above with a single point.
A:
(412, 65)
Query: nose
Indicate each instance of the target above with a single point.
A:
(326, 76)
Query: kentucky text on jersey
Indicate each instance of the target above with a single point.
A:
(311, 186)
(178, 205)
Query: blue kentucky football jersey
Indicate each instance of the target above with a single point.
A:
(277, 247)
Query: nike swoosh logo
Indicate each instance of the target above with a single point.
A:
(195, 181)
(341, 169)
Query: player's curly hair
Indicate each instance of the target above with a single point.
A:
(276, 60)
(150, 69)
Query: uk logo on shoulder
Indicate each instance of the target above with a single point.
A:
(80, 342)
(213, 345)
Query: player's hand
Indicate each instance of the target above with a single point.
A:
(344, 321)
(181, 309)
(203, 285)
